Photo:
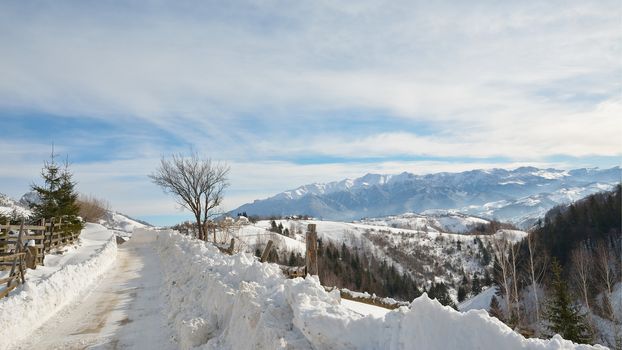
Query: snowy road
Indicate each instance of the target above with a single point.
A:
(123, 311)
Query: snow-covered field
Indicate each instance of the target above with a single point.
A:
(184, 293)
(434, 220)
(217, 301)
(416, 251)
(62, 281)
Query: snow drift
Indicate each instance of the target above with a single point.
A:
(40, 298)
(235, 302)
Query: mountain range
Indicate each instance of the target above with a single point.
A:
(519, 196)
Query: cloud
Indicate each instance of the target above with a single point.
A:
(265, 85)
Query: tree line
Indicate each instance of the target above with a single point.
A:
(574, 256)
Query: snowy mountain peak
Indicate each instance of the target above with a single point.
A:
(11, 207)
(518, 195)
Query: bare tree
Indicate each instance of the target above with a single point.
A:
(582, 267)
(605, 265)
(500, 249)
(196, 183)
(513, 264)
(92, 209)
(535, 275)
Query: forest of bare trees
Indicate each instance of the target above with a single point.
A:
(590, 265)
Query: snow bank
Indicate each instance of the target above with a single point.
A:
(235, 302)
(230, 302)
(426, 324)
(40, 298)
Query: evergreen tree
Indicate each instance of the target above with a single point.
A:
(58, 197)
(67, 195)
(292, 259)
(462, 293)
(49, 192)
(487, 278)
(476, 287)
(440, 292)
(495, 309)
(563, 317)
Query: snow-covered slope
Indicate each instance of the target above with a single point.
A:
(518, 195)
(425, 252)
(12, 208)
(446, 221)
(120, 222)
(235, 302)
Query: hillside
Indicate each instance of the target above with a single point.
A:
(12, 208)
(520, 196)
(426, 252)
(596, 217)
(112, 219)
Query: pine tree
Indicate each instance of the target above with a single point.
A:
(563, 317)
(441, 293)
(58, 197)
(476, 286)
(495, 309)
(462, 293)
(273, 226)
(67, 195)
(48, 193)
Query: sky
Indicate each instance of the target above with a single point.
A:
(295, 92)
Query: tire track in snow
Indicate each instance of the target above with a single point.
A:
(123, 311)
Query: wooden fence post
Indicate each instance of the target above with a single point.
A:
(266, 251)
(311, 256)
(231, 246)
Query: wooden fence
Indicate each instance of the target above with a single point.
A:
(28, 247)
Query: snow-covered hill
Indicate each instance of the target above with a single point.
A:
(446, 221)
(12, 208)
(121, 222)
(520, 196)
(425, 251)
(239, 295)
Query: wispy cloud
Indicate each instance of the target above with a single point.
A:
(256, 82)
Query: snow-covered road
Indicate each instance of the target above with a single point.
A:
(162, 290)
(123, 311)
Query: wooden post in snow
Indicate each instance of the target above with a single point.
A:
(266, 251)
(231, 246)
(311, 256)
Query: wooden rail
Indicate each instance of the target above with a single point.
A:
(28, 248)
(385, 303)
(15, 259)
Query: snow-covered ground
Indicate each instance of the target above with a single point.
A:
(217, 301)
(10, 207)
(480, 301)
(434, 220)
(119, 222)
(169, 291)
(365, 309)
(62, 281)
(426, 253)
